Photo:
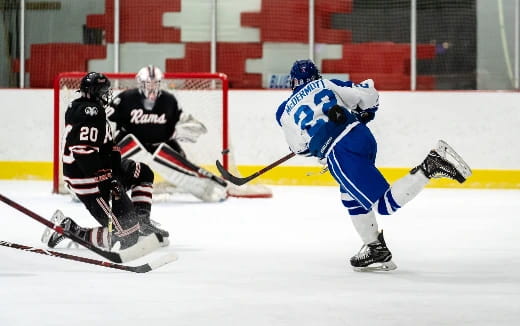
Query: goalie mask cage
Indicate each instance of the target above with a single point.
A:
(204, 95)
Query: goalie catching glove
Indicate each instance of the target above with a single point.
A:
(188, 129)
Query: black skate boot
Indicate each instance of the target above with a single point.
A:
(374, 256)
(153, 227)
(119, 243)
(52, 238)
(148, 227)
(444, 162)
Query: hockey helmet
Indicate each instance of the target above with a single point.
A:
(149, 81)
(303, 72)
(96, 86)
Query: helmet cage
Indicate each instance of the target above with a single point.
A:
(149, 81)
(104, 94)
(150, 89)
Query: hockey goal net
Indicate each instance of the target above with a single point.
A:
(204, 95)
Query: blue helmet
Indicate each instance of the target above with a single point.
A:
(302, 72)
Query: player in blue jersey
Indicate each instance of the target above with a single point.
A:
(328, 119)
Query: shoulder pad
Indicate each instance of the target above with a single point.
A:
(342, 83)
(91, 110)
(86, 110)
(116, 101)
(279, 112)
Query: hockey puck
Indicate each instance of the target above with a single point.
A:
(225, 151)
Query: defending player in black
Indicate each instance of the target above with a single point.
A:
(149, 123)
(94, 171)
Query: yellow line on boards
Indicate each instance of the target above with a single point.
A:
(14, 170)
(310, 175)
(293, 175)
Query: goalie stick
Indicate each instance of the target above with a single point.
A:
(135, 269)
(240, 181)
(110, 255)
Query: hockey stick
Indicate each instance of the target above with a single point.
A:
(166, 156)
(112, 256)
(240, 181)
(135, 269)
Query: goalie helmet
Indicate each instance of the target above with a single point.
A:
(303, 72)
(149, 81)
(96, 86)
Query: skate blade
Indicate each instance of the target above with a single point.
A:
(56, 219)
(377, 267)
(447, 152)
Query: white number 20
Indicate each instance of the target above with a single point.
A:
(88, 134)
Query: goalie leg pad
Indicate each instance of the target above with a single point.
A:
(181, 173)
(131, 148)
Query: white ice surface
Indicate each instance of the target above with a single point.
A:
(279, 261)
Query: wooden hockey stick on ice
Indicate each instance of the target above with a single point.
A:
(240, 181)
(135, 269)
(110, 255)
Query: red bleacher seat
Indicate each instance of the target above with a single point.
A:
(389, 61)
(48, 60)
(133, 28)
(197, 58)
(287, 21)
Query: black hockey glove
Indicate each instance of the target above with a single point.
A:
(103, 175)
(337, 114)
(103, 178)
(364, 116)
(116, 188)
(108, 183)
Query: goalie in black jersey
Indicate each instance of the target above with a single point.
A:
(94, 171)
(149, 124)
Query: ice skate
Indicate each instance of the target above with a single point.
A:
(444, 162)
(150, 227)
(374, 256)
(52, 238)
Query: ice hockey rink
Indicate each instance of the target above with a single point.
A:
(279, 261)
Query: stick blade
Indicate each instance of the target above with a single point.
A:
(144, 246)
(163, 260)
(221, 169)
(231, 178)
